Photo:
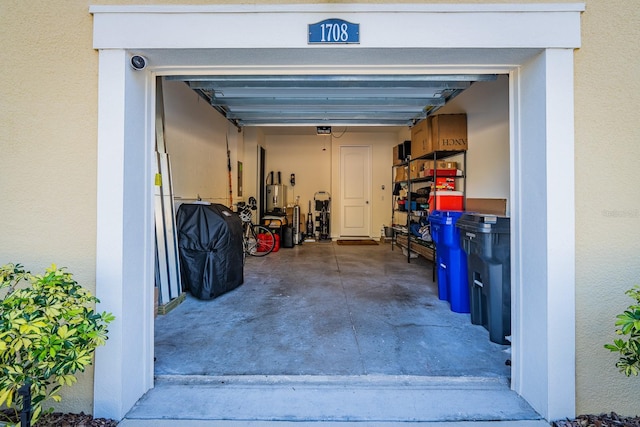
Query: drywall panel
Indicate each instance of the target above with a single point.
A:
(381, 144)
(306, 156)
(195, 137)
(487, 107)
(252, 139)
(315, 161)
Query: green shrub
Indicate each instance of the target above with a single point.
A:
(628, 325)
(48, 332)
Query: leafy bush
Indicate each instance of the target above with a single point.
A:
(48, 332)
(628, 324)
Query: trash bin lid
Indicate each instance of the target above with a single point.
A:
(445, 217)
(484, 223)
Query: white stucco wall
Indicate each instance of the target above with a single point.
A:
(48, 111)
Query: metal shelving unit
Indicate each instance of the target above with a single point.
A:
(402, 232)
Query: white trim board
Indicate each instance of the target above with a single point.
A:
(504, 37)
(423, 26)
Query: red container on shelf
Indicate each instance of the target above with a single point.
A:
(446, 201)
(442, 172)
(445, 183)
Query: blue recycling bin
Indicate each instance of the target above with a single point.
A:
(486, 241)
(451, 260)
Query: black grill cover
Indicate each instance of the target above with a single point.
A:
(210, 242)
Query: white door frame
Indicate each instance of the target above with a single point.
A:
(496, 38)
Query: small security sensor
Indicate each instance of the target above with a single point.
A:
(138, 62)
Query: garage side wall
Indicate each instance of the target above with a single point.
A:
(195, 138)
(487, 107)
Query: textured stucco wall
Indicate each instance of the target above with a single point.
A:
(48, 110)
(607, 95)
(48, 119)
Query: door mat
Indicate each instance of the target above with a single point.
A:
(357, 242)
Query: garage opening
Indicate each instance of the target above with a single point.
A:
(541, 151)
(318, 309)
(365, 279)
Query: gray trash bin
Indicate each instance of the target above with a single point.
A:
(485, 239)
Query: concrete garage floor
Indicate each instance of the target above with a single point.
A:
(324, 333)
(327, 309)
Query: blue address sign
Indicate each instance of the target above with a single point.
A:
(334, 31)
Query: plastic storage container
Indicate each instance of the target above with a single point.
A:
(446, 200)
(451, 260)
(485, 240)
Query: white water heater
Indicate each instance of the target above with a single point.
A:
(276, 197)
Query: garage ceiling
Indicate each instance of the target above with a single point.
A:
(326, 100)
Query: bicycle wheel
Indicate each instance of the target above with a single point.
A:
(261, 241)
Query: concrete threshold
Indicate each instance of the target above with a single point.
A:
(301, 401)
(229, 423)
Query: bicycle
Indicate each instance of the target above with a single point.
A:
(257, 240)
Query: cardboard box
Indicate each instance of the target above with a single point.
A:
(402, 173)
(396, 155)
(416, 169)
(422, 168)
(448, 132)
(447, 165)
(420, 139)
(428, 164)
(488, 206)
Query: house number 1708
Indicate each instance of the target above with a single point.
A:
(334, 33)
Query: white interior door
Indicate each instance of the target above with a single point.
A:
(355, 191)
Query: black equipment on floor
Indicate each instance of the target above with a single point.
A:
(210, 244)
(287, 236)
(309, 222)
(322, 201)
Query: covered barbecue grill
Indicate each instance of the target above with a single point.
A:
(210, 245)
